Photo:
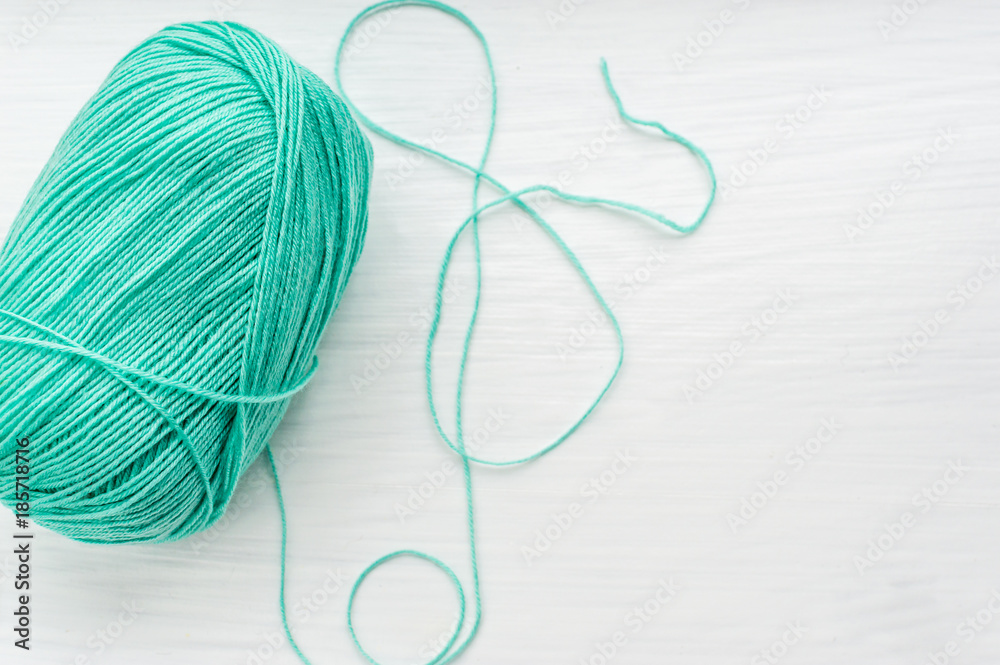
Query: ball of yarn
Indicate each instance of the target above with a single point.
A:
(166, 283)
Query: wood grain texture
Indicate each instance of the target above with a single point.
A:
(355, 451)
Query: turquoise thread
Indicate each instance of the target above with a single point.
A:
(167, 281)
(455, 646)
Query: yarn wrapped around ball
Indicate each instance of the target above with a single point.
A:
(167, 281)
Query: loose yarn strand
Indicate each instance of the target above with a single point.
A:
(455, 646)
(284, 551)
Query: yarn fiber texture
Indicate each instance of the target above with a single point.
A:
(166, 283)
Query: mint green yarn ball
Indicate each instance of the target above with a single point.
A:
(167, 281)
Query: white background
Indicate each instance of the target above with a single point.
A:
(356, 451)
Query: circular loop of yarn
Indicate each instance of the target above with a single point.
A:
(167, 281)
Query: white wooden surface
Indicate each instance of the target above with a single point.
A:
(354, 454)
